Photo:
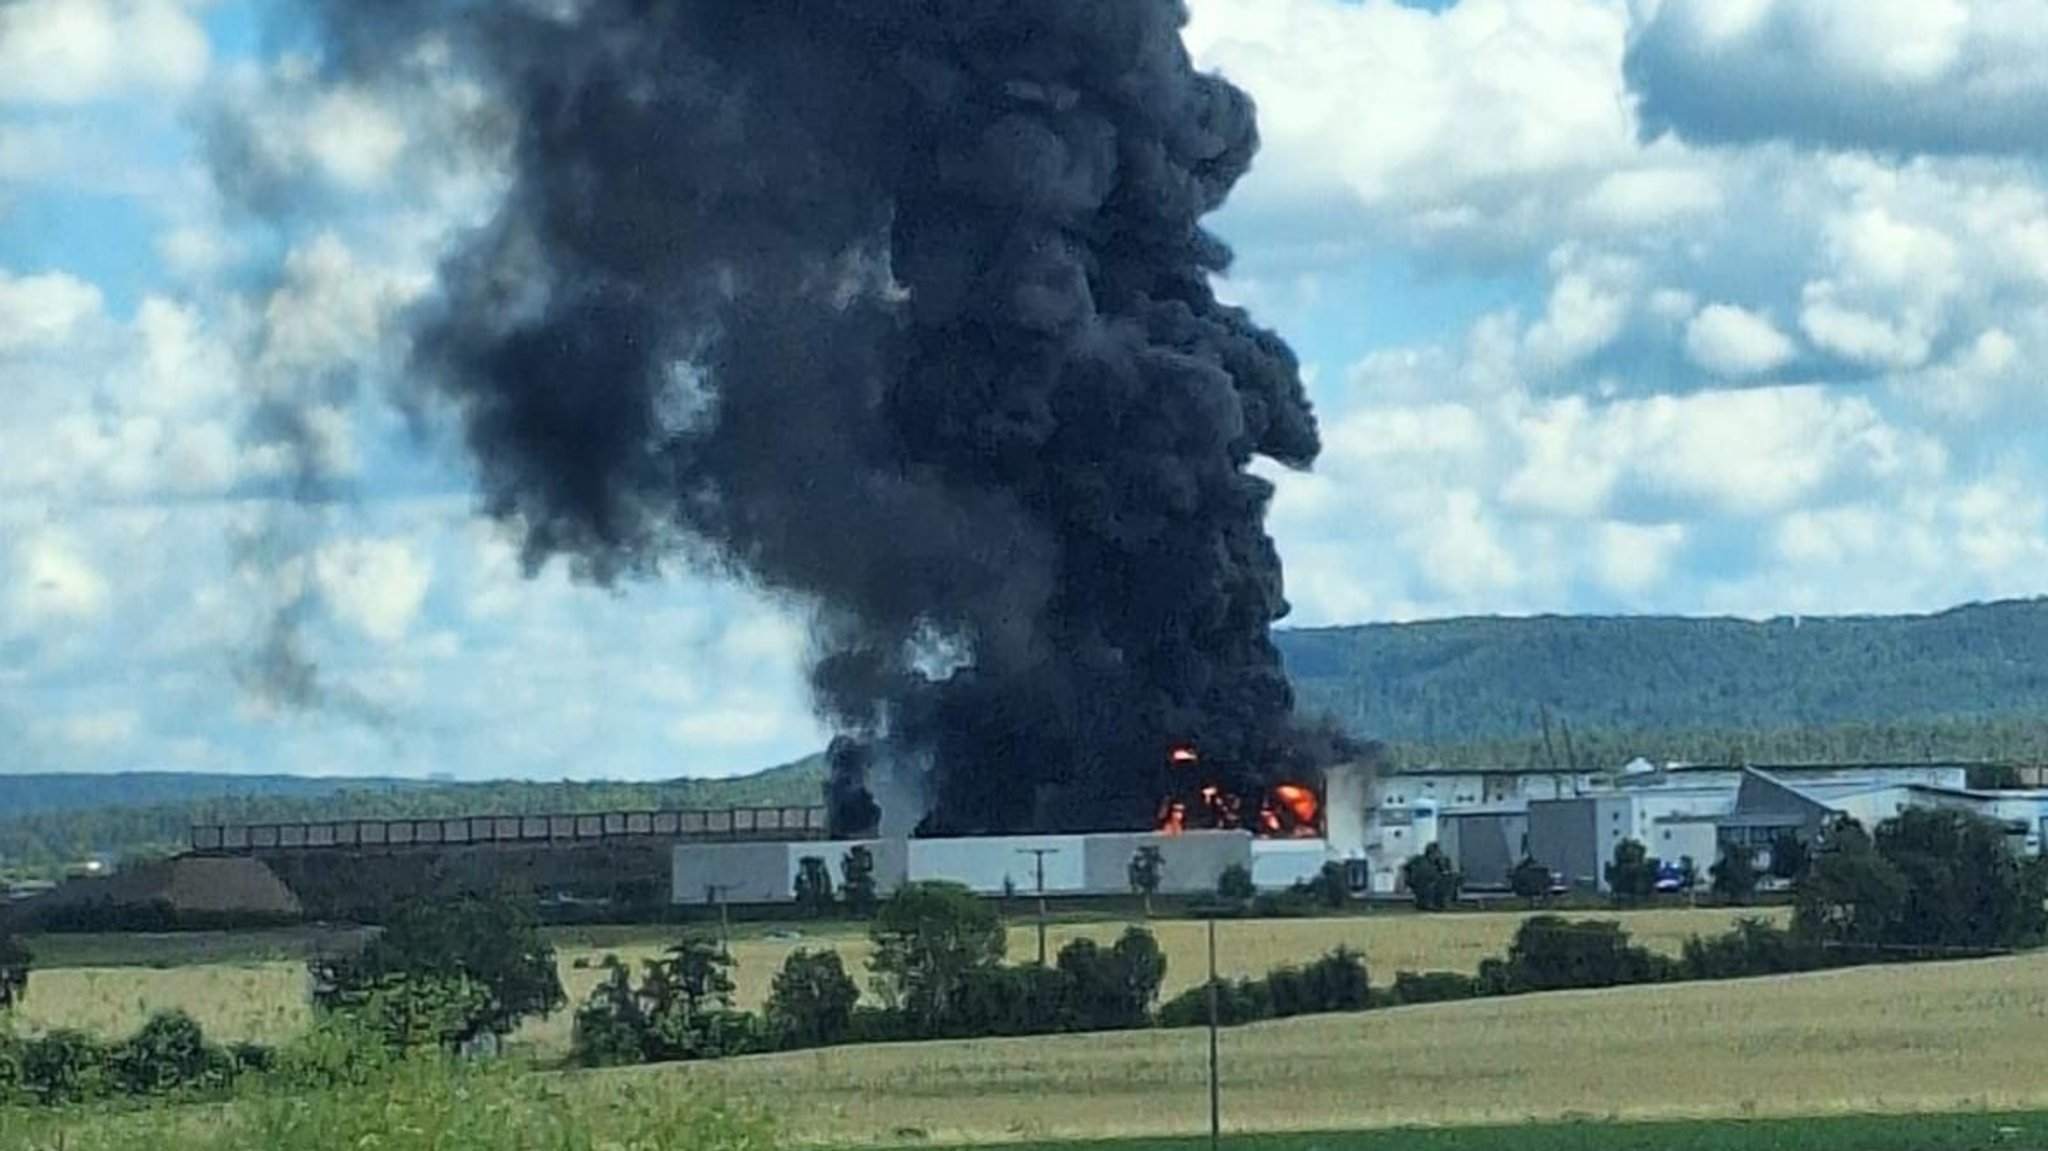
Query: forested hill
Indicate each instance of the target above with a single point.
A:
(1891, 685)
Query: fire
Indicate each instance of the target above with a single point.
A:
(1299, 801)
(1289, 809)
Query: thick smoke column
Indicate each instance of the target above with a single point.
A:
(902, 308)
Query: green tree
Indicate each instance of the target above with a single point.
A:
(1114, 987)
(15, 962)
(1235, 883)
(1432, 880)
(1632, 874)
(1790, 856)
(813, 886)
(1852, 895)
(611, 1025)
(1333, 885)
(1688, 874)
(857, 880)
(811, 1001)
(928, 940)
(1530, 880)
(488, 955)
(1964, 888)
(1148, 868)
(681, 1010)
(1734, 876)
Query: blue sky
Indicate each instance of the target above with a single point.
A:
(1607, 306)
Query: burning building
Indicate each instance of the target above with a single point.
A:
(903, 312)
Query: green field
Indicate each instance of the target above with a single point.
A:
(1952, 1050)
(253, 986)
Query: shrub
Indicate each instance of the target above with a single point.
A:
(1550, 953)
(65, 1066)
(1432, 879)
(1115, 987)
(1751, 947)
(169, 1054)
(1235, 883)
(1434, 986)
(812, 999)
(681, 1010)
(1238, 1001)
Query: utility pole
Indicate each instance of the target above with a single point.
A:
(715, 892)
(1215, 1080)
(1039, 854)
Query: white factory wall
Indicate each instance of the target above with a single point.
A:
(1347, 801)
(1278, 864)
(983, 864)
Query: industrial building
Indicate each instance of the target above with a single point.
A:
(1372, 822)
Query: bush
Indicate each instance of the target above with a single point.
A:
(1238, 1001)
(1434, 987)
(1432, 879)
(1550, 953)
(169, 1054)
(65, 1066)
(1113, 988)
(1235, 883)
(1751, 947)
(681, 1010)
(812, 1000)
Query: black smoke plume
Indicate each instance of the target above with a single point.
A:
(901, 308)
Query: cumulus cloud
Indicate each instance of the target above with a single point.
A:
(376, 585)
(82, 51)
(1731, 341)
(1902, 76)
(55, 582)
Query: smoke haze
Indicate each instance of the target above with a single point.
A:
(900, 308)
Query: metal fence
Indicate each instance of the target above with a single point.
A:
(769, 823)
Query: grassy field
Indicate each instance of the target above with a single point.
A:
(1956, 1045)
(1932, 1037)
(254, 986)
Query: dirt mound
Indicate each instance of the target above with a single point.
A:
(186, 885)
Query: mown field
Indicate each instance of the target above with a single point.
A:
(1931, 1037)
(1955, 1046)
(254, 987)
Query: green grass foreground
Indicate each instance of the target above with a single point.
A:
(2014, 1131)
(427, 1106)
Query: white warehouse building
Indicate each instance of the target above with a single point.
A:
(1487, 819)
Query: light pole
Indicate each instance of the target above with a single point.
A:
(716, 892)
(1038, 854)
(1215, 1080)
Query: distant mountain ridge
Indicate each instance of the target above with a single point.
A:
(1460, 681)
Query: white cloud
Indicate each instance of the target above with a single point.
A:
(377, 585)
(1731, 341)
(38, 311)
(1469, 122)
(55, 582)
(1913, 75)
(81, 51)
